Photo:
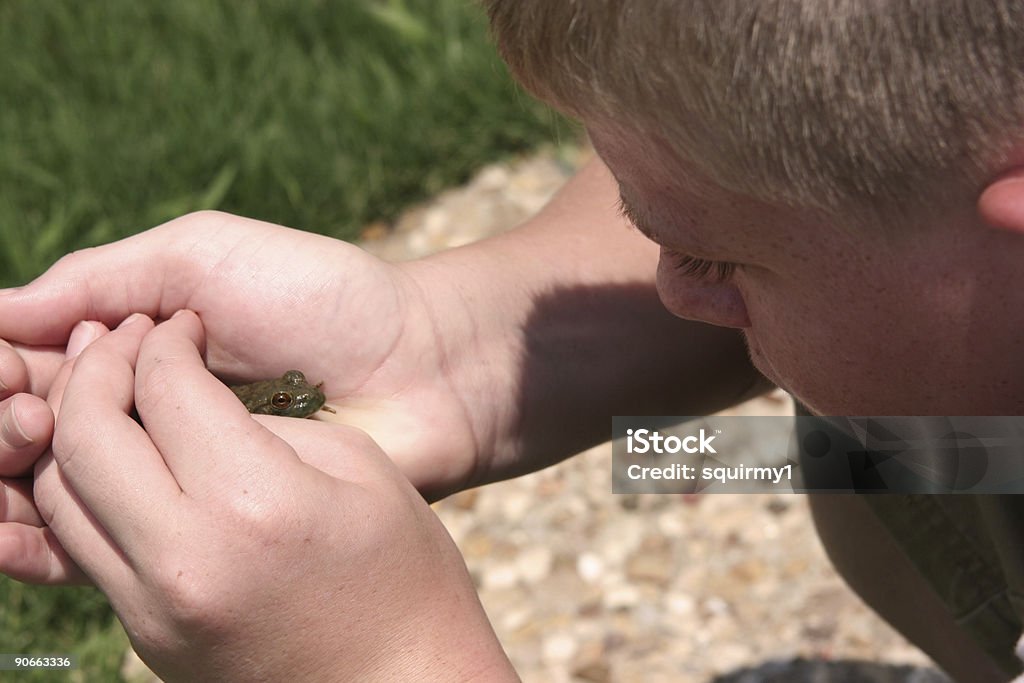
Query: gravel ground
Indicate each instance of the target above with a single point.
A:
(584, 585)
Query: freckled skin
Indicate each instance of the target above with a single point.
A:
(289, 395)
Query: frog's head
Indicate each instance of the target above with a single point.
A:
(295, 397)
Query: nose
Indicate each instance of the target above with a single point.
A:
(694, 298)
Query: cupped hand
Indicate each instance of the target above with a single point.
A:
(236, 547)
(271, 299)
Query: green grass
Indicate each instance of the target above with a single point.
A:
(120, 115)
(117, 116)
(41, 621)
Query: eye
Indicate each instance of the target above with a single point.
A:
(702, 269)
(281, 400)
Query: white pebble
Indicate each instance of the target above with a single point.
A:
(590, 567)
(503, 575)
(619, 597)
(559, 647)
(534, 563)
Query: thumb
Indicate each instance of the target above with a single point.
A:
(106, 283)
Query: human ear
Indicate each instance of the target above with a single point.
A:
(1001, 203)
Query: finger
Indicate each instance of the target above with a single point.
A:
(342, 451)
(346, 453)
(34, 555)
(145, 273)
(30, 368)
(80, 535)
(13, 371)
(105, 456)
(83, 334)
(26, 427)
(17, 503)
(188, 412)
(42, 363)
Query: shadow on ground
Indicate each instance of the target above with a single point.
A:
(840, 671)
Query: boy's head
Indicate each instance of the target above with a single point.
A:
(828, 103)
(821, 173)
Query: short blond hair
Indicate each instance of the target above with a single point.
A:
(836, 104)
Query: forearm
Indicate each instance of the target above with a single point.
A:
(553, 327)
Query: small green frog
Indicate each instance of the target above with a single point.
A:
(290, 395)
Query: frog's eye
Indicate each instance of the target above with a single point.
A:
(281, 400)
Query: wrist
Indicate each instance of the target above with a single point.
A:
(476, 332)
(432, 627)
(442, 654)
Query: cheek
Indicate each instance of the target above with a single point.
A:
(834, 358)
(809, 365)
(811, 325)
(865, 359)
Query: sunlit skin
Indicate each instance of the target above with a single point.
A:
(852, 322)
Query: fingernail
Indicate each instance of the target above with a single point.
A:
(177, 313)
(12, 432)
(131, 320)
(84, 333)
